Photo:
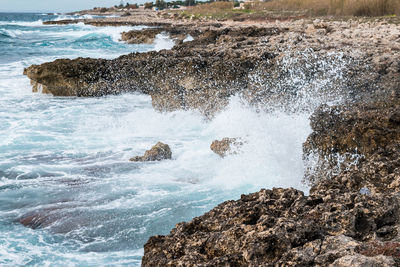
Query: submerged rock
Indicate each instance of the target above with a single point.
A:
(226, 146)
(158, 152)
(41, 218)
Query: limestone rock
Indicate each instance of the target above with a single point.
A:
(219, 63)
(358, 143)
(275, 227)
(225, 146)
(363, 261)
(338, 224)
(158, 152)
(145, 36)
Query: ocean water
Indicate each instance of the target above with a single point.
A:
(65, 161)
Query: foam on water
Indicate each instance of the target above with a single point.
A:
(23, 23)
(74, 17)
(65, 161)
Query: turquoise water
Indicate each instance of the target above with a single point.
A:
(65, 161)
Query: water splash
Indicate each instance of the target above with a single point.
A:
(303, 80)
(163, 41)
(64, 161)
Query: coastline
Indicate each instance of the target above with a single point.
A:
(348, 214)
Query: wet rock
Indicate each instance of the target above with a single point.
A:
(148, 35)
(61, 22)
(350, 218)
(145, 36)
(274, 227)
(204, 73)
(225, 60)
(226, 146)
(158, 152)
(357, 143)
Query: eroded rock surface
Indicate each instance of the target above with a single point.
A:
(158, 152)
(226, 146)
(148, 35)
(350, 218)
(277, 227)
(179, 79)
(359, 143)
(275, 65)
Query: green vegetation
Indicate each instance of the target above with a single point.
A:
(148, 5)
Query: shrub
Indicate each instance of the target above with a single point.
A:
(148, 5)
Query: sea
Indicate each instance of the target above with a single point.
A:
(64, 161)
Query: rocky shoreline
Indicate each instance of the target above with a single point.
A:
(351, 215)
(268, 64)
(348, 219)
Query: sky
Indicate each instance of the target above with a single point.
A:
(57, 5)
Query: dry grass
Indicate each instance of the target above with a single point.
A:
(216, 10)
(257, 10)
(334, 7)
(314, 7)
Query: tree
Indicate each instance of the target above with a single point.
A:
(190, 2)
(161, 4)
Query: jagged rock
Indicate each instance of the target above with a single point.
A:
(159, 151)
(179, 79)
(145, 36)
(61, 22)
(220, 62)
(225, 146)
(360, 142)
(148, 35)
(275, 227)
(363, 261)
(126, 14)
(338, 224)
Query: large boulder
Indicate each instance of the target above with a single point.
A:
(158, 152)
